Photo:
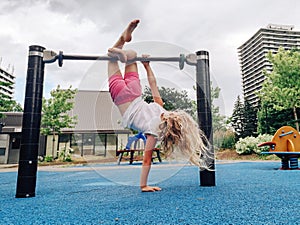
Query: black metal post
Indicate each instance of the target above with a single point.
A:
(27, 171)
(207, 177)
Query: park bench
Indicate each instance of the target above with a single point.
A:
(128, 150)
(286, 145)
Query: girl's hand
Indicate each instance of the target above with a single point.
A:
(145, 63)
(150, 189)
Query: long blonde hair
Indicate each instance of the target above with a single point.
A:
(178, 130)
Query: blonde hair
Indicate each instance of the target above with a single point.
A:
(178, 130)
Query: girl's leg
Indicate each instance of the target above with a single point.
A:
(124, 56)
(132, 67)
(113, 67)
(126, 35)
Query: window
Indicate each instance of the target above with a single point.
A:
(63, 141)
(2, 151)
(76, 143)
(64, 138)
(96, 143)
(100, 144)
(88, 144)
(112, 142)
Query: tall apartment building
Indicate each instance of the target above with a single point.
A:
(252, 56)
(7, 77)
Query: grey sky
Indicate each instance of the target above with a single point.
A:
(91, 26)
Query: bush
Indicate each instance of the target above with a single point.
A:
(65, 154)
(48, 158)
(224, 139)
(245, 145)
(228, 141)
(261, 139)
(249, 145)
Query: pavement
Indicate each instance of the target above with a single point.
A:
(245, 193)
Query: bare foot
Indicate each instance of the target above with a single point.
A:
(123, 55)
(116, 52)
(128, 31)
(150, 189)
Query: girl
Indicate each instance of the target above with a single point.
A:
(176, 130)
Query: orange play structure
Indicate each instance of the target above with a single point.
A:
(286, 145)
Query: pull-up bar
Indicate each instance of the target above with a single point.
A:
(38, 57)
(51, 57)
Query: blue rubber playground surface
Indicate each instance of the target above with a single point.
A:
(245, 193)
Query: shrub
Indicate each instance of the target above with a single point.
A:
(228, 141)
(224, 139)
(249, 145)
(65, 154)
(260, 139)
(48, 158)
(245, 145)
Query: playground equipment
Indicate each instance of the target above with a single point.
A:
(286, 145)
(37, 58)
(51, 56)
(128, 149)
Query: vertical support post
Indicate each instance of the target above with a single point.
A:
(27, 171)
(207, 178)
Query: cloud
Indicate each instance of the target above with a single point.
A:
(91, 26)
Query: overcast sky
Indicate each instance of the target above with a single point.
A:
(166, 28)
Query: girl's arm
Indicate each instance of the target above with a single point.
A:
(147, 160)
(152, 83)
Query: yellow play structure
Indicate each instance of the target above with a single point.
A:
(286, 145)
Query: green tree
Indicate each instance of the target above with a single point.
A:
(218, 120)
(55, 112)
(237, 118)
(244, 119)
(173, 99)
(270, 119)
(281, 88)
(6, 103)
(250, 120)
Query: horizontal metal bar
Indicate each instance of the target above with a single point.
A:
(108, 58)
(51, 56)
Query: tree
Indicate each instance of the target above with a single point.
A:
(281, 88)
(237, 118)
(270, 119)
(244, 119)
(250, 120)
(55, 112)
(218, 120)
(6, 103)
(173, 99)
